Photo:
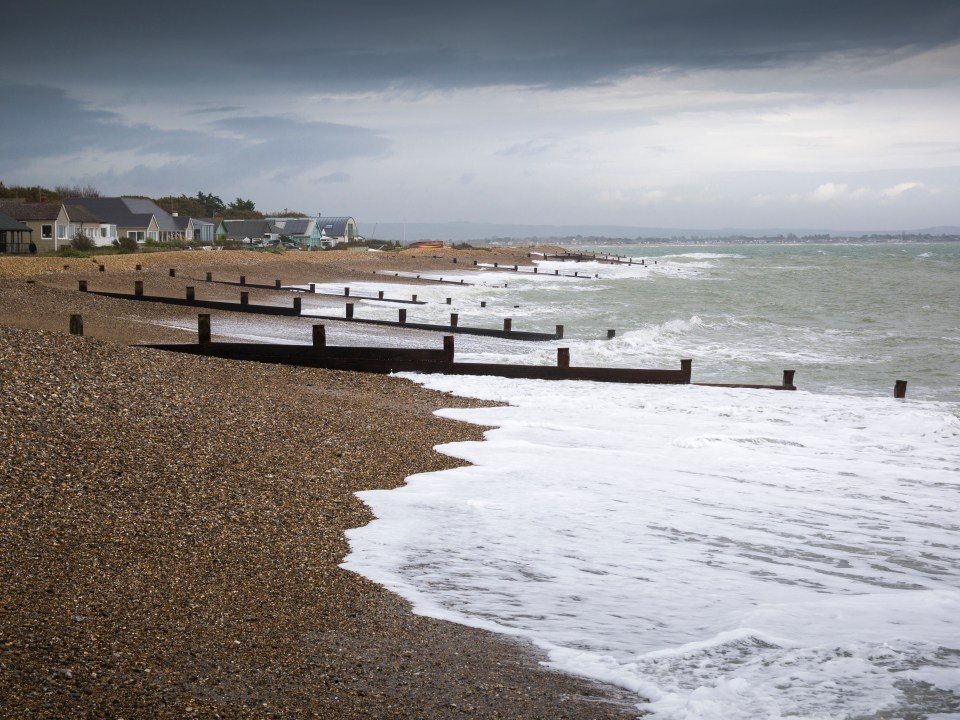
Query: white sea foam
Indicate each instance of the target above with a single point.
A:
(723, 554)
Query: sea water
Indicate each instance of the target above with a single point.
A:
(722, 553)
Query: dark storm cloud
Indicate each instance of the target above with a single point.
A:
(372, 44)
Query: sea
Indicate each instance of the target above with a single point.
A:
(719, 553)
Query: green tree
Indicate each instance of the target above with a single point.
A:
(241, 204)
(212, 204)
(183, 205)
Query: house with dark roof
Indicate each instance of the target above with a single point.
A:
(249, 231)
(137, 218)
(54, 225)
(337, 231)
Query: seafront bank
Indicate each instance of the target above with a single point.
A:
(173, 526)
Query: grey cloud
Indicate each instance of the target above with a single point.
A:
(376, 44)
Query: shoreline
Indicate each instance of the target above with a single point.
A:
(174, 525)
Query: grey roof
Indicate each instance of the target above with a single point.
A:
(30, 211)
(78, 213)
(142, 206)
(181, 221)
(113, 210)
(333, 226)
(9, 224)
(291, 226)
(240, 229)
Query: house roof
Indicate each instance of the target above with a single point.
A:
(142, 206)
(333, 226)
(80, 214)
(9, 224)
(30, 211)
(291, 226)
(113, 210)
(240, 229)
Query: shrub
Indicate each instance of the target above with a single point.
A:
(126, 244)
(83, 243)
(71, 252)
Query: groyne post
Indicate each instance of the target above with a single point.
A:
(313, 287)
(563, 357)
(483, 303)
(414, 298)
(559, 332)
(209, 276)
(402, 319)
(203, 329)
(380, 294)
(454, 319)
(686, 368)
(76, 324)
(900, 389)
(138, 288)
(244, 297)
(173, 272)
(507, 324)
(296, 305)
(346, 292)
(319, 336)
(611, 334)
(190, 293)
(103, 268)
(139, 267)
(83, 286)
(277, 283)
(788, 378)
(243, 279)
(449, 301)
(349, 310)
(448, 348)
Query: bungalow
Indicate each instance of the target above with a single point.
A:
(54, 225)
(337, 231)
(136, 218)
(248, 231)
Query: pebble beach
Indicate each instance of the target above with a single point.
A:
(173, 525)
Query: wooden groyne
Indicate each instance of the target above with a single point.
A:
(190, 300)
(454, 326)
(591, 257)
(390, 360)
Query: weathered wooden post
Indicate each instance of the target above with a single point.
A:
(313, 287)
(454, 319)
(243, 279)
(203, 329)
(507, 324)
(611, 334)
(346, 292)
(559, 332)
(139, 267)
(380, 294)
(190, 293)
(76, 324)
(402, 319)
(277, 284)
(563, 357)
(349, 310)
(483, 303)
(454, 261)
(297, 305)
(83, 286)
(244, 297)
(103, 268)
(536, 270)
(686, 368)
(900, 389)
(173, 272)
(414, 298)
(138, 288)
(449, 301)
(319, 336)
(474, 263)
(209, 276)
(496, 265)
(788, 378)
(448, 348)
(556, 272)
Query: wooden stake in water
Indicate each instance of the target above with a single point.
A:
(900, 389)
(76, 325)
(319, 336)
(203, 328)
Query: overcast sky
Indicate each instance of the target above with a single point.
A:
(841, 114)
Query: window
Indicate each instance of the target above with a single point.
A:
(135, 234)
(152, 234)
(103, 231)
(46, 232)
(62, 232)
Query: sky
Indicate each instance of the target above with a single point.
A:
(839, 114)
